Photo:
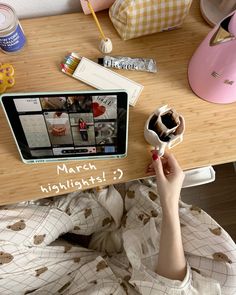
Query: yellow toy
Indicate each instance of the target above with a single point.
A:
(7, 79)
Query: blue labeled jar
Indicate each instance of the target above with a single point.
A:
(12, 38)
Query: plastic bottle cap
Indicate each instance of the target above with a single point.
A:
(100, 61)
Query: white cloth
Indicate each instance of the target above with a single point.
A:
(123, 250)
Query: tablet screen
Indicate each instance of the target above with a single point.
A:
(68, 125)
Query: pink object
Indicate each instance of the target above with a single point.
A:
(212, 68)
(96, 4)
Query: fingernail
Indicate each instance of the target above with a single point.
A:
(155, 156)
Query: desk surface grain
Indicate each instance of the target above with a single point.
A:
(209, 138)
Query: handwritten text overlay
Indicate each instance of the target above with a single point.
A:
(80, 183)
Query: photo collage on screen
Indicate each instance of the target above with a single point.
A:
(61, 126)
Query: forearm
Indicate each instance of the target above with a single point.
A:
(171, 259)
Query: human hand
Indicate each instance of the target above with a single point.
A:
(169, 178)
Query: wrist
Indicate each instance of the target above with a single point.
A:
(171, 222)
(170, 202)
(170, 210)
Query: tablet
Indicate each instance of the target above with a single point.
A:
(60, 126)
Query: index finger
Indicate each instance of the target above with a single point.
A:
(172, 162)
(157, 164)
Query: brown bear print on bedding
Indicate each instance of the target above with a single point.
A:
(19, 225)
(101, 265)
(40, 271)
(5, 258)
(38, 239)
(221, 257)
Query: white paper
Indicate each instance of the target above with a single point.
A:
(102, 78)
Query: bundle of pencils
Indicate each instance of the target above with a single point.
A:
(70, 63)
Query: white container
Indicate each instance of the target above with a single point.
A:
(153, 138)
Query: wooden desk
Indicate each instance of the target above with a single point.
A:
(210, 136)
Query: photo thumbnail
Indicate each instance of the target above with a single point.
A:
(106, 133)
(82, 126)
(58, 128)
(53, 103)
(105, 107)
(80, 103)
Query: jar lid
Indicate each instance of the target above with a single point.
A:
(7, 18)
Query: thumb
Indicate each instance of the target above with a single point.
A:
(157, 165)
